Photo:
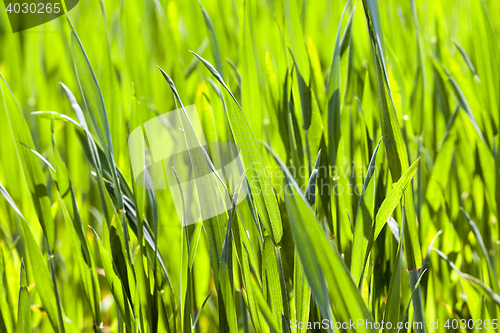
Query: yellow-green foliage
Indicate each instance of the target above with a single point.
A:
(368, 136)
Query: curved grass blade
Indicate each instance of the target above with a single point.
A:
(395, 145)
(311, 185)
(487, 56)
(40, 156)
(471, 293)
(91, 93)
(479, 238)
(394, 142)
(467, 60)
(206, 187)
(405, 316)
(426, 262)
(56, 116)
(483, 288)
(208, 195)
(322, 263)
(464, 104)
(201, 308)
(260, 184)
(31, 168)
(75, 106)
(95, 154)
(93, 99)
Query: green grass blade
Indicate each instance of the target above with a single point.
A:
(320, 260)
(37, 262)
(391, 313)
(364, 217)
(40, 156)
(394, 142)
(75, 106)
(323, 264)
(264, 307)
(56, 116)
(93, 99)
(464, 104)
(250, 83)
(386, 208)
(483, 288)
(467, 60)
(479, 238)
(441, 171)
(226, 265)
(260, 184)
(334, 98)
(185, 270)
(270, 269)
(207, 192)
(346, 37)
(305, 97)
(393, 198)
(487, 54)
(91, 93)
(212, 37)
(115, 283)
(31, 168)
(7, 320)
(415, 289)
(473, 297)
(79, 241)
(302, 292)
(24, 307)
(201, 308)
(310, 193)
(295, 38)
(192, 65)
(95, 154)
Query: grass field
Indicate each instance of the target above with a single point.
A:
(366, 185)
